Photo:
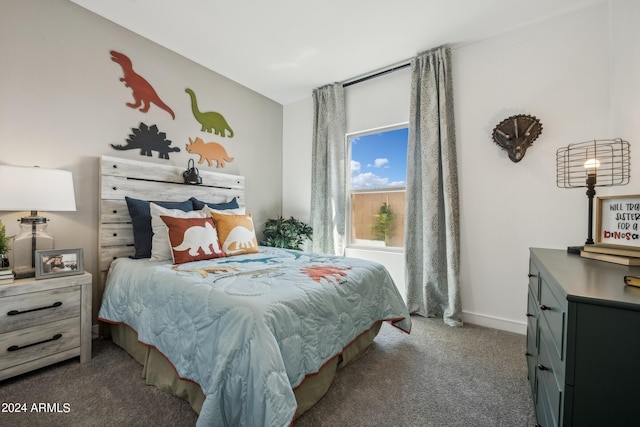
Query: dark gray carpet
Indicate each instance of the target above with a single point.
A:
(436, 376)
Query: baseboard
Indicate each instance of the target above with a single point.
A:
(495, 322)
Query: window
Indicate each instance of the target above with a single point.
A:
(376, 188)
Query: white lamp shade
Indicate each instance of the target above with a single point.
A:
(25, 188)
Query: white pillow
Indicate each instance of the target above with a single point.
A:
(160, 246)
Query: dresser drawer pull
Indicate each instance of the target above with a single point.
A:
(530, 315)
(543, 368)
(16, 312)
(526, 353)
(531, 275)
(17, 347)
(544, 307)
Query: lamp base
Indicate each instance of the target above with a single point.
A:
(33, 236)
(574, 249)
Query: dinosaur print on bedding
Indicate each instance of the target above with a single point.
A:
(143, 93)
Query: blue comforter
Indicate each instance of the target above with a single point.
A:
(249, 328)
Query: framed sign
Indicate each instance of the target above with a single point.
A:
(59, 262)
(618, 221)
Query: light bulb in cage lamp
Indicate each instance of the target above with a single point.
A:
(590, 164)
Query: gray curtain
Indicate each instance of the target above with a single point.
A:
(328, 171)
(432, 238)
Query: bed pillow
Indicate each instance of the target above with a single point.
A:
(199, 204)
(140, 213)
(160, 248)
(192, 239)
(236, 233)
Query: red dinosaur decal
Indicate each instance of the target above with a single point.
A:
(325, 272)
(143, 93)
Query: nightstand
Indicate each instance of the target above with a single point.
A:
(44, 322)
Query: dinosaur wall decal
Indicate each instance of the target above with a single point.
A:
(210, 120)
(148, 139)
(143, 93)
(209, 151)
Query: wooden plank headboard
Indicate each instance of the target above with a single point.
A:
(148, 181)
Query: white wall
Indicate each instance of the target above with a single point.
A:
(557, 70)
(61, 106)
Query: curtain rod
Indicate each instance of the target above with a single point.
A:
(378, 74)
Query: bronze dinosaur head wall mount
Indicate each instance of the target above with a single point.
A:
(516, 133)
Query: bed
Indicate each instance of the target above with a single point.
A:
(251, 338)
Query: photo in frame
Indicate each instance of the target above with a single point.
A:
(58, 262)
(618, 221)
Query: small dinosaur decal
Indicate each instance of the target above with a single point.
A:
(209, 151)
(204, 272)
(143, 93)
(318, 272)
(210, 120)
(148, 139)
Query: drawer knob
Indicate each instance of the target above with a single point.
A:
(531, 275)
(16, 312)
(526, 353)
(543, 368)
(18, 347)
(529, 315)
(544, 307)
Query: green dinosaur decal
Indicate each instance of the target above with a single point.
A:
(210, 120)
(148, 139)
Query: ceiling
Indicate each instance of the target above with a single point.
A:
(283, 49)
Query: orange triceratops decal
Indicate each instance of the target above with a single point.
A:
(325, 272)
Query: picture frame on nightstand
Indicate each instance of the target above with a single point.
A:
(618, 221)
(59, 262)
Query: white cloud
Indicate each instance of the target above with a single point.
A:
(355, 167)
(381, 162)
(369, 179)
(378, 163)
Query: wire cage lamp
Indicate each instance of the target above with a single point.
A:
(590, 164)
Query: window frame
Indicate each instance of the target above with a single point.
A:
(348, 136)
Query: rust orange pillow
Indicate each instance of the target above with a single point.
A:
(236, 233)
(192, 239)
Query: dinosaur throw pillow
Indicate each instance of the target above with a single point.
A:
(192, 239)
(139, 211)
(236, 233)
(160, 248)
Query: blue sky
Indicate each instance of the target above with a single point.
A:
(379, 160)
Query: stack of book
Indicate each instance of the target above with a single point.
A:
(610, 254)
(6, 276)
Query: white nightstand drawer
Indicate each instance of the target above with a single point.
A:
(37, 308)
(39, 341)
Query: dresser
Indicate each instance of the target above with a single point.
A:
(583, 341)
(44, 322)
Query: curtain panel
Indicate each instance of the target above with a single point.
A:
(328, 170)
(432, 238)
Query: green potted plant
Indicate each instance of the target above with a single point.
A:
(286, 233)
(384, 226)
(4, 248)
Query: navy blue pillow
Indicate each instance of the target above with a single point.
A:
(231, 204)
(141, 220)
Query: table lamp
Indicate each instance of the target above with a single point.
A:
(34, 189)
(590, 164)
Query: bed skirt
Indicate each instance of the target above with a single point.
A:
(159, 372)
